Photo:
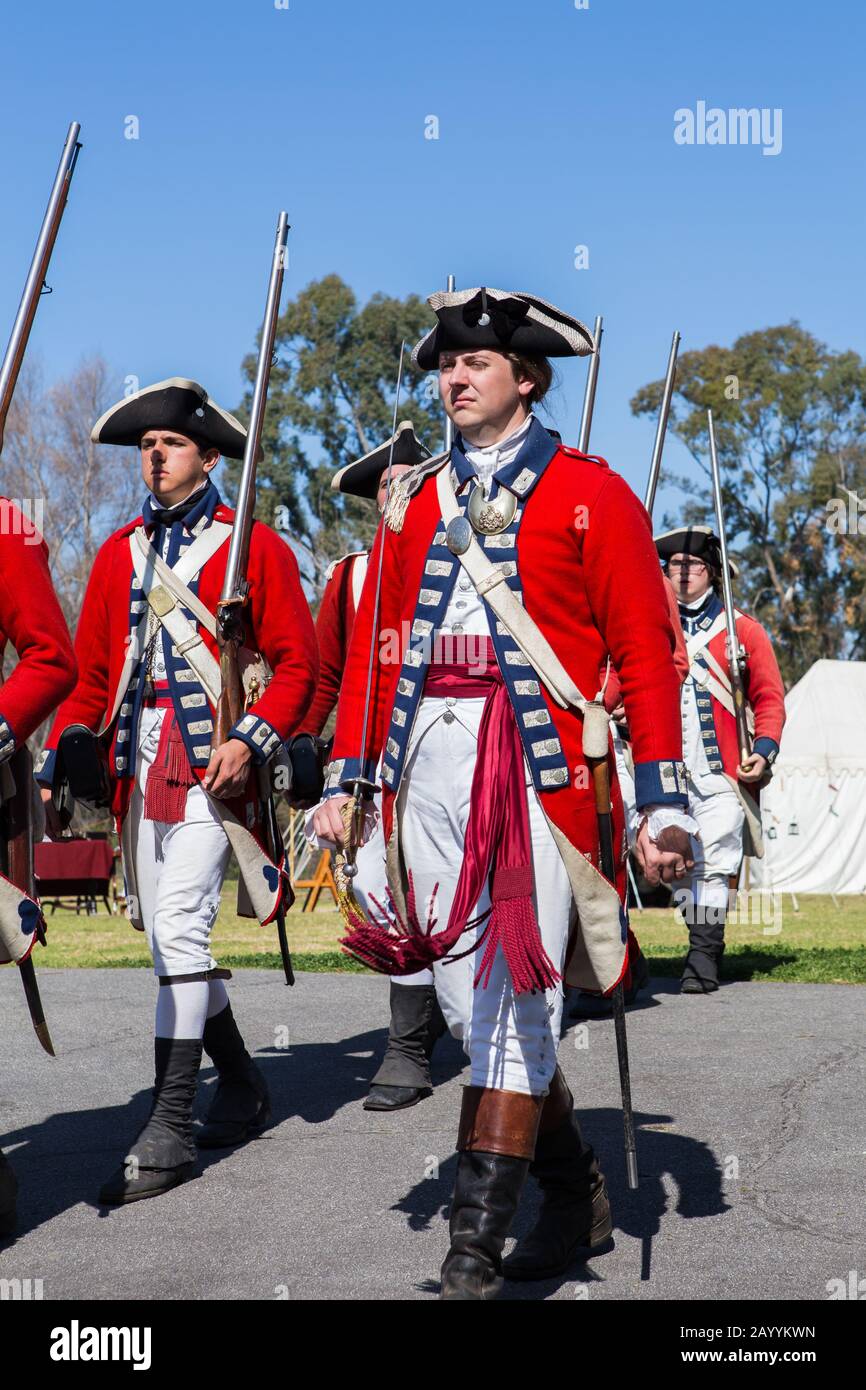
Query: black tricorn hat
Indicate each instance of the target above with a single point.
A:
(700, 541)
(175, 404)
(361, 478)
(488, 318)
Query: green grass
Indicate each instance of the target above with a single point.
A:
(821, 943)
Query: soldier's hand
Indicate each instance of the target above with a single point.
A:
(667, 859)
(228, 769)
(752, 768)
(53, 824)
(328, 820)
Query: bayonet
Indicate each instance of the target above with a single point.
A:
(662, 424)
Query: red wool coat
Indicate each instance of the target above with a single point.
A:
(31, 621)
(765, 693)
(591, 581)
(334, 623)
(279, 625)
(613, 690)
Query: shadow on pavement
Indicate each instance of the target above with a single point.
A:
(64, 1159)
(688, 1162)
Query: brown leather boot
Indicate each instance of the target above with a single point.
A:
(496, 1142)
(575, 1213)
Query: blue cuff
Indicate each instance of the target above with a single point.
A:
(8, 740)
(660, 784)
(340, 776)
(767, 747)
(258, 735)
(45, 767)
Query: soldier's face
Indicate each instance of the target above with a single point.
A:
(172, 465)
(478, 388)
(396, 470)
(690, 577)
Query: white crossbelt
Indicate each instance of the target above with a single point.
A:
(490, 584)
(359, 574)
(715, 679)
(164, 599)
(203, 548)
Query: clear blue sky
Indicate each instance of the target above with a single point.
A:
(555, 129)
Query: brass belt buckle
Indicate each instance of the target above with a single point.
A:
(160, 601)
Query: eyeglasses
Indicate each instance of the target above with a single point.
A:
(687, 565)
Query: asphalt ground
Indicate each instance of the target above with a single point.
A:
(750, 1106)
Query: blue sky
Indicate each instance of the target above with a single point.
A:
(555, 130)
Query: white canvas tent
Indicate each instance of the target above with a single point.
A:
(814, 810)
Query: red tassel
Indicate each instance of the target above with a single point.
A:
(170, 776)
(514, 927)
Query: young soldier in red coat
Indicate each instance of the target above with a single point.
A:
(32, 623)
(723, 792)
(487, 796)
(149, 676)
(365, 477)
(416, 1021)
(637, 972)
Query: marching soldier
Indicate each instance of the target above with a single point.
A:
(637, 971)
(513, 568)
(723, 791)
(32, 623)
(145, 646)
(416, 1020)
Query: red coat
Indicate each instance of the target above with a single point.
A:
(591, 580)
(32, 622)
(279, 625)
(764, 689)
(334, 623)
(613, 689)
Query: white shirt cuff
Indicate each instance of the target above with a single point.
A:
(658, 818)
(372, 816)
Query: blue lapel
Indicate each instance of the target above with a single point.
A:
(523, 472)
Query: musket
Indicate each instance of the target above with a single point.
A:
(604, 815)
(18, 810)
(661, 426)
(735, 651)
(35, 283)
(353, 812)
(235, 590)
(589, 393)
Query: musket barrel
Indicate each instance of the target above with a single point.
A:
(17, 344)
(662, 425)
(246, 492)
(734, 657)
(589, 393)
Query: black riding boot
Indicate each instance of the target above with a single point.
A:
(8, 1196)
(242, 1105)
(495, 1143)
(404, 1076)
(163, 1155)
(706, 947)
(575, 1214)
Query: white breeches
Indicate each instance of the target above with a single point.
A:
(371, 881)
(179, 871)
(625, 774)
(511, 1041)
(718, 852)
